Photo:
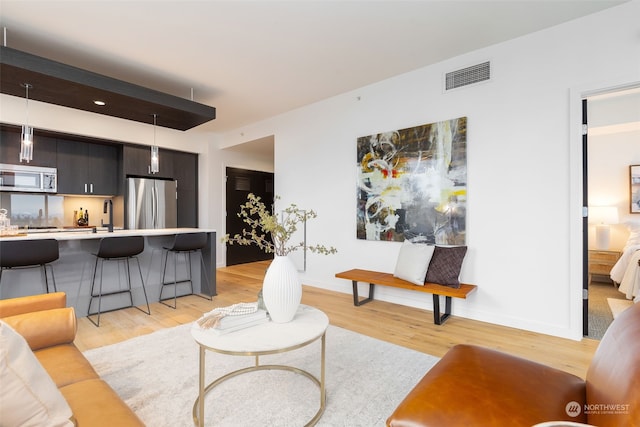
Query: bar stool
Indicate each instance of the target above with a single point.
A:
(117, 249)
(30, 254)
(186, 244)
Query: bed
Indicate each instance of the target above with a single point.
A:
(626, 272)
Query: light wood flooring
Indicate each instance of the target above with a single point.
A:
(401, 325)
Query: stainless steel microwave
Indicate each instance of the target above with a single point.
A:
(34, 179)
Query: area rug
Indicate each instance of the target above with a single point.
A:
(157, 376)
(617, 306)
(599, 312)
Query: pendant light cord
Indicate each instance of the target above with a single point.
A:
(26, 86)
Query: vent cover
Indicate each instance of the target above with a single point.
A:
(468, 76)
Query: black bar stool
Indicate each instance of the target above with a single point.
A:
(186, 244)
(117, 249)
(30, 254)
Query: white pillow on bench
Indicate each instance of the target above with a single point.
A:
(413, 262)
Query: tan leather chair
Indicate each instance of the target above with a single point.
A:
(475, 386)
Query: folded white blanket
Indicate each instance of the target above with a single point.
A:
(212, 318)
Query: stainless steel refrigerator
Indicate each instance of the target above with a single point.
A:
(151, 203)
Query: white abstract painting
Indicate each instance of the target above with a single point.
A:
(412, 184)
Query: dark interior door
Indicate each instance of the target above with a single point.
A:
(585, 224)
(241, 182)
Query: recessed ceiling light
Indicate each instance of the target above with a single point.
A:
(100, 103)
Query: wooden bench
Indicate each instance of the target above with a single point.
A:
(387, 279)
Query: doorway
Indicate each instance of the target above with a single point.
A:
(609, 145)
(241, 182)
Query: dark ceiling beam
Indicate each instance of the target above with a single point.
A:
(60, 84)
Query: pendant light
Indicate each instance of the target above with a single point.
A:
(155, 161)
(26, 142)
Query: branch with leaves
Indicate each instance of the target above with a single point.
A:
(271, 234)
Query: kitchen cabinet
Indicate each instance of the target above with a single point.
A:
(87, 168)
(90, 166)
(44, 148)
(185, 167)
(177, 165)
(137, 162)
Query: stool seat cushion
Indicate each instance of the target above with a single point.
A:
(188, 242)
(24, 253)
(120, 247)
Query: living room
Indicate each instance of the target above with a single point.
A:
(524, 160)
(526, 116)
(524, 216)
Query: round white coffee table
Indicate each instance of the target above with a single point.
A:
(308, 325)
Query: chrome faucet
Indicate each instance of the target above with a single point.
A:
(108, 207)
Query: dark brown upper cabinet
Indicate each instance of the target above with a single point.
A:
(44, 148)
(137, 162)
(87, 168)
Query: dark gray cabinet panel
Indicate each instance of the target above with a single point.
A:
(137, 161)
(44, 148)
(87, 168)
(185, 166)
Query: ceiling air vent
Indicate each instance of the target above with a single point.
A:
(468, 76)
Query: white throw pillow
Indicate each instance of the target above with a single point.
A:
(413, 262)
(28, 395)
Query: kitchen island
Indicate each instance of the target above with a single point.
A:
(74, 269)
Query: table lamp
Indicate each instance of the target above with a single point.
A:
(603, 217)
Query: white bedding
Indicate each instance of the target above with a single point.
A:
(626, 272)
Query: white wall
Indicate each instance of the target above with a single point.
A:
(523, 209)
(610, 155)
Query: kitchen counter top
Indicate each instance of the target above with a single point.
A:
(75, 267)
(81, 234)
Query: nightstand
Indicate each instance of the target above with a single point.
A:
(600, 264)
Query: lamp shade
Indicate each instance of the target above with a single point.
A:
(603, 215)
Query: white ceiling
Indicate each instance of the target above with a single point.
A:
(256, 59)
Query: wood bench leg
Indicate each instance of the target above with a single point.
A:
(356, 300)
(437, 318)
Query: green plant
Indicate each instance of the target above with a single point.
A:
(271, 234)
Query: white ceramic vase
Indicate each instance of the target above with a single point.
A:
(282, 289)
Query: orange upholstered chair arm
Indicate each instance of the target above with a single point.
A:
(46, 328)
(43, 320)
(28, 304)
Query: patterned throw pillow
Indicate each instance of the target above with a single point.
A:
(445, 266)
